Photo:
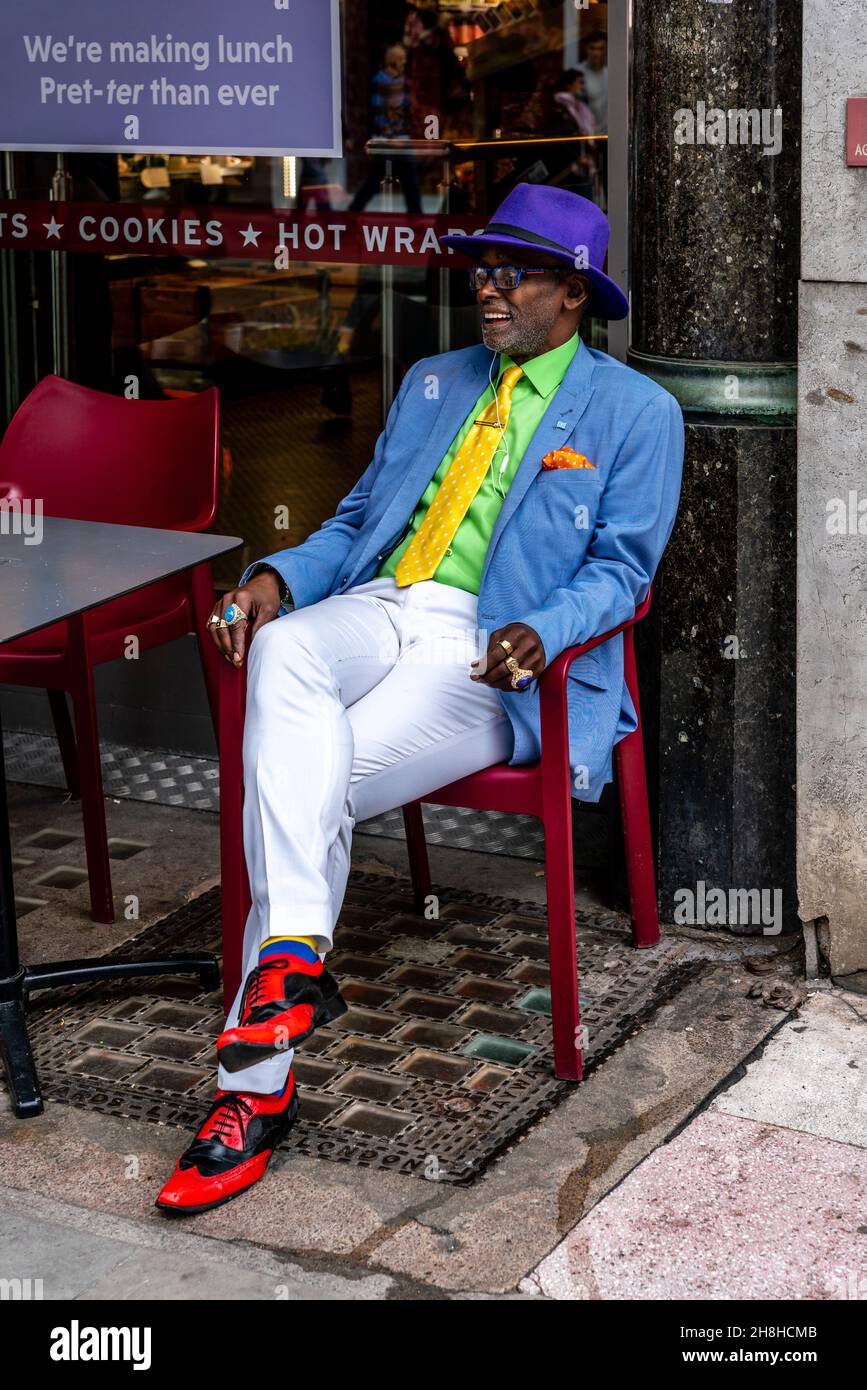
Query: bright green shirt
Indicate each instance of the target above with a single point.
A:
(461, 566)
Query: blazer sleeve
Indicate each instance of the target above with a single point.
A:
(636, 516)
(310, 570)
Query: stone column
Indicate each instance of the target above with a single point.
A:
(714, 275)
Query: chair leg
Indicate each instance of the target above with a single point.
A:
(90, 774)
(65, 741)
(416, 847)
(235, 888)
(202, 598)
(562, 947)
(638, 845)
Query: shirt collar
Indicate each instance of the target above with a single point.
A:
(546, 372)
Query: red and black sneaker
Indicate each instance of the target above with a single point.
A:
(284, 1000)
(231, 1150)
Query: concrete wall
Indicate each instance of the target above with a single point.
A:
(832, 478)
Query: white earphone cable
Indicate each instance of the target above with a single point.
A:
(498, 481)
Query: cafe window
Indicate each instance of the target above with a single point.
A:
(445, 108)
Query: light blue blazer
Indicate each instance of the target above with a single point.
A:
(573, 550)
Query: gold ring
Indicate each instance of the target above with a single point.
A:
(519, 673)
(507, 646)
(234, 615)
(220, 623)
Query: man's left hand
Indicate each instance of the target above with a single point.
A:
(527, 650)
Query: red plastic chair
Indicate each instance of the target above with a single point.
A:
(540, 789)
(94, 457)
(543, 790)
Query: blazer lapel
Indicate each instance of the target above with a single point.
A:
(569, 402)
(457, 402)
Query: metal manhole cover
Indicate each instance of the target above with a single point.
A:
(442, 1060)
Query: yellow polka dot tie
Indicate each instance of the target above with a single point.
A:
(458, 488)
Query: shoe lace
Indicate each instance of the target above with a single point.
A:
(228, 1120)
(260, 982)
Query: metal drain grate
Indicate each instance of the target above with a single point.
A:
(443, 1058)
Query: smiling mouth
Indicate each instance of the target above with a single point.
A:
(494, 317)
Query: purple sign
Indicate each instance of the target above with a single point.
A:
(176, 76)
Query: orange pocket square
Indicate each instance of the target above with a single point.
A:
(566, 458)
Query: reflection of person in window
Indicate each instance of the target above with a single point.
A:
(313, 185)
(434, 76)
(594, 70)
(389, 103)
(574, 117)
(571, 94)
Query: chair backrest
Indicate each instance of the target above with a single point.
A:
(94, 457)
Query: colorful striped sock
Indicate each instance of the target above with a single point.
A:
(304, 947)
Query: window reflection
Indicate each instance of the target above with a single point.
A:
(445, 108)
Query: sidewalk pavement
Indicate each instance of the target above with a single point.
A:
(634, 1182)
(762, 1196)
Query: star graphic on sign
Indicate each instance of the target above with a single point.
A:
(251, 235)
(54, 228)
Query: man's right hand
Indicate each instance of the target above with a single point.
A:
(259, 598)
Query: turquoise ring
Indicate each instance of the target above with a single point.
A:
(231, 618)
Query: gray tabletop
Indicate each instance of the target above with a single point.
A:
(80, 564)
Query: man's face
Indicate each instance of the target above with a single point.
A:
(596, 54)
(395, 60)
(541, 314)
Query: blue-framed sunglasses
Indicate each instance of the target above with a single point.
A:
(505, 277)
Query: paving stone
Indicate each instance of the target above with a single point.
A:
(812, 1074)
(66, 1261)
(730, 1209)
(157, 1276)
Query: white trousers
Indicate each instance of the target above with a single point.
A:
(355, 705)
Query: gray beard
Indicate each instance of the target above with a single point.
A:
(526, 341)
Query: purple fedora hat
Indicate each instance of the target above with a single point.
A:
(536, 217)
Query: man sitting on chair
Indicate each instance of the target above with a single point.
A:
(518, 503)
